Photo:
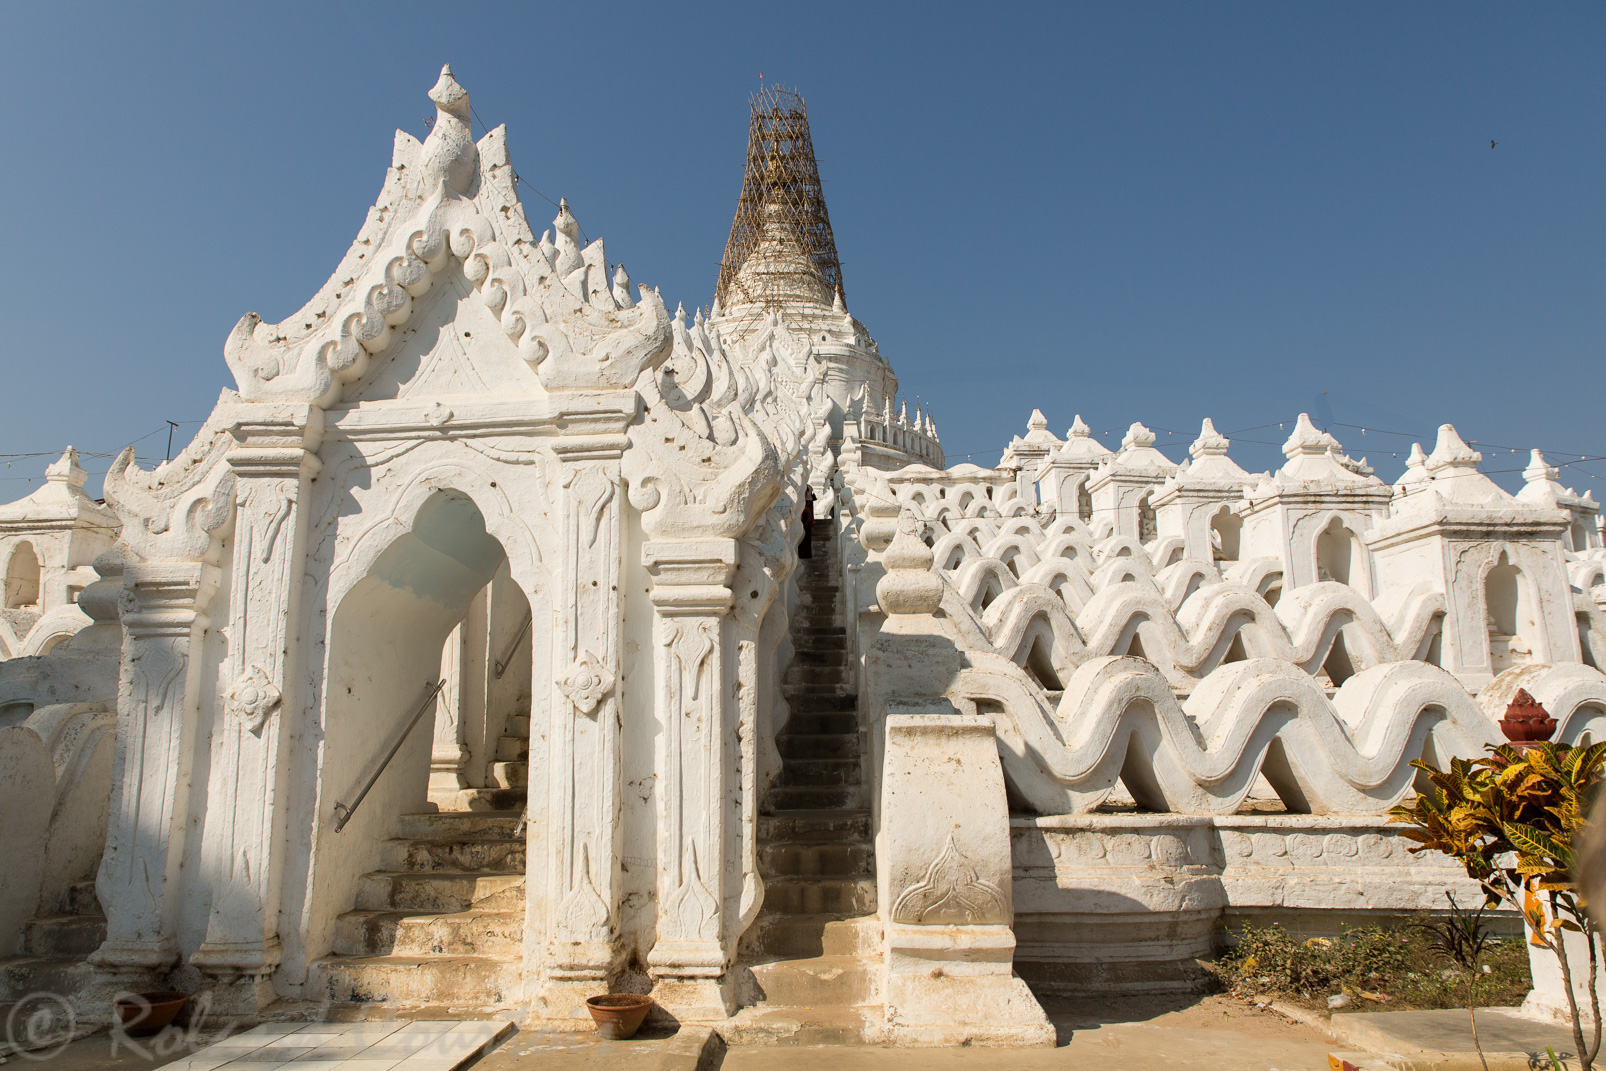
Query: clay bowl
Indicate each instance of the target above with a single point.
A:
(619, 1015)
(149, 1013)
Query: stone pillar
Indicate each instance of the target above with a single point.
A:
(448, 754)
(582, 812)
(261, 702)
(151, 762)
(947, 866)
(691, 959)
(942, 834)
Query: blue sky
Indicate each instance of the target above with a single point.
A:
(1151, 212)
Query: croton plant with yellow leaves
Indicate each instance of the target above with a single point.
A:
(1514, 819)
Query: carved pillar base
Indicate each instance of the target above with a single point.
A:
(561, 1004)
(695, 993)
(239, 974)
(946, 898)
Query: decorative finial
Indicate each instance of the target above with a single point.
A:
(448, 96)
(67, 470)
(908, 586)
(1038, 421)
(1526, 722)
(1308, 441)
(1210, 441)
(1451, 451)
(1137, 435)
(449, 151)
(1539, 470)
(1079, 429)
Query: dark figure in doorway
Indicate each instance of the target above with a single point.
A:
(805, 549)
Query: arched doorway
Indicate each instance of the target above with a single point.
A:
(438, 605)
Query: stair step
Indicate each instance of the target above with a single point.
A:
(824, 981)
(844, 824)
(464, 854)
(813, 797)
(834, 702)
(510, 774)
(820, 896)
(398, 933)
(799, 773)
(488, 800)
(823, 723)
(834, 858)
(449, 825)
(22, 975)
(804, 936)
(795, 746)
(812, 632)
(804, 678)
(512, 749)
(80, 899)
(820, 656)
(418, 980)
(439, 892)
(63, 935)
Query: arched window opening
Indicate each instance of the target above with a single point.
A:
(1508, 616)
(1335, 551)
(1235, 651)
(1084, 502)
(1225, 529)
(1578, 536)
(1148, 529)
(989, 592)
(1009, 563)
(1135, 648)
(22, 578)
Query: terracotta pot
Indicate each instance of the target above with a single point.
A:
(619, 1015)
(149, 1013)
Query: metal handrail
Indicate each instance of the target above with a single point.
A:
(502, 663)
(343, 813)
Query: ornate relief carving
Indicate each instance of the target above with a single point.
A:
(586, 683)
(252, 698)
(693, 911)
(951, 893)
(583, 914)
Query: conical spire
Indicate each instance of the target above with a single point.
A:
(781, 250)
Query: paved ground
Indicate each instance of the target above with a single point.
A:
(1499, 1030)
(1212, 1034)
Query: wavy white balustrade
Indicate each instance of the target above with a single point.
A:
(1118, 719)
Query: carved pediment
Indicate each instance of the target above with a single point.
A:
(452, 203)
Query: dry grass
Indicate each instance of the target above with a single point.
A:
(1393, 965)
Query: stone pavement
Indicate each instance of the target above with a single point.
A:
(1442, 1040)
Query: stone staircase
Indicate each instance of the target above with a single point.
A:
(815, 949)
(442, 921)
(54, 947)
